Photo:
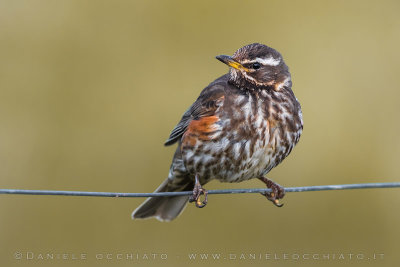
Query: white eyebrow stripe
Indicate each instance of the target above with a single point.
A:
(269, 61)
(265, 61)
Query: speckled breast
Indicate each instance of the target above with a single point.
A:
(250, 133)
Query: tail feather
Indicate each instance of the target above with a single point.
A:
(162, 208)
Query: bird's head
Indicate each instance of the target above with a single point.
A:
(257, 66)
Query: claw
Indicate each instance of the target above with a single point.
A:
(201, 204)
(278, 192)
(197, 192)
(276, 203)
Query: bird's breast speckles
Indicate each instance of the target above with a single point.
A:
(252, 133)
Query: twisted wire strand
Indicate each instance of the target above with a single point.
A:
(221, 191)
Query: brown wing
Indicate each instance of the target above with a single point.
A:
(205, 106)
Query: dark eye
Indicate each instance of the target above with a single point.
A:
(256, 65)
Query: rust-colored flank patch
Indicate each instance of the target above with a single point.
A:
(201, 129)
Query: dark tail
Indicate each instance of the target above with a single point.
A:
(163, 208)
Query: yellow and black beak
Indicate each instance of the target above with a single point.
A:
(231, 62)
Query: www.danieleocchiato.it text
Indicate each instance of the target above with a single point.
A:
(142, 257)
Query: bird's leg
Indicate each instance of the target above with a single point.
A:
(197, 192)
(278, 192)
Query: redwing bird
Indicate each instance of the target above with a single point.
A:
(240, 127)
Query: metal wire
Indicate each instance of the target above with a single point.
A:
(223, 191)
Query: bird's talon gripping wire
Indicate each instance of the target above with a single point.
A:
(198, 190)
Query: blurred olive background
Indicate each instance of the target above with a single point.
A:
(89, 91)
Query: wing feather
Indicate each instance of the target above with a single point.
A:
(206, 105)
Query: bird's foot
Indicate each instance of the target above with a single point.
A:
(198, 190)
(278, 192)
